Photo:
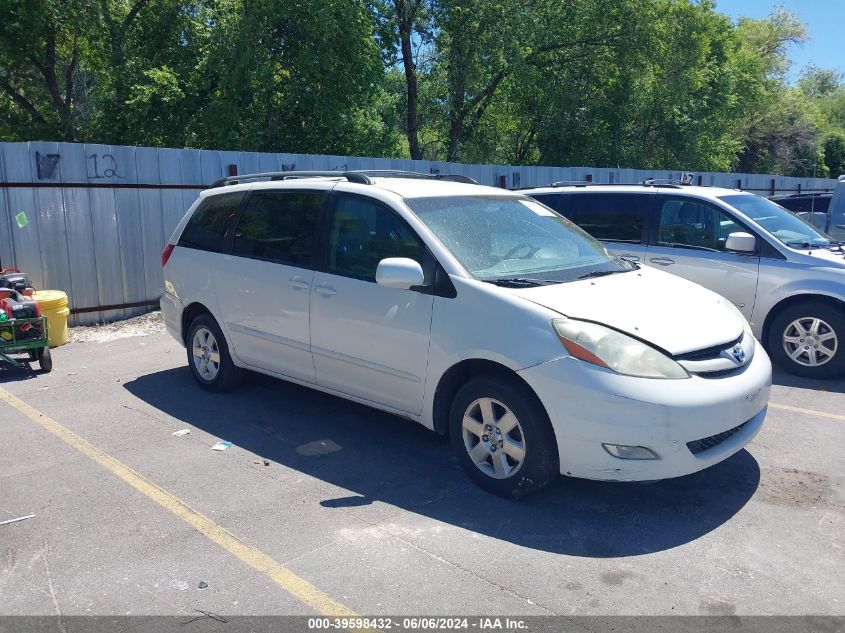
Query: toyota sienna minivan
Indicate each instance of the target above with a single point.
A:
(477, 312)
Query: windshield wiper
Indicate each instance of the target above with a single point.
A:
(603, 273)
(520, 282)
(833, 244)
(805, 244)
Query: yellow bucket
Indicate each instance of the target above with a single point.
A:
(53, 304)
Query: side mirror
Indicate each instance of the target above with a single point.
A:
(741, 242)
(399, 272)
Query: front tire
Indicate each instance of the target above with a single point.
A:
(502, 437)
(807, 339)
(209, 358)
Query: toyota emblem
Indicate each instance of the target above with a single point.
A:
(738, 354)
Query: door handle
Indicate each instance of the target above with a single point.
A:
(840, 226)
(633, 258)
(299, 283)
(662, 261)
(326, 291)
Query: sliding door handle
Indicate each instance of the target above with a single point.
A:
(299, 283)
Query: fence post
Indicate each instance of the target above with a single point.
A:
(772, 188)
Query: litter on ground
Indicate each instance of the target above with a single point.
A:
(29, 516)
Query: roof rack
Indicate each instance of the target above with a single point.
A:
(396, 173)
(664, 182)
(572, 183)
(361, 177)
(290, 175)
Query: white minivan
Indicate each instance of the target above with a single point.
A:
(477, 312)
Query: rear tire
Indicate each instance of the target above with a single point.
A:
(807, 339)
(502, 437)
(209, 358)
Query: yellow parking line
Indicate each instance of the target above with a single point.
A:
(821, 414)
(255, 558)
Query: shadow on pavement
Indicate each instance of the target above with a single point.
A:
(10, 373)
(380, 457)
(832, 385)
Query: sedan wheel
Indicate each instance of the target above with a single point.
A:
(804, 339)
(810, 342)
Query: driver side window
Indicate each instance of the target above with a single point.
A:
(363, 233)
(684, 222)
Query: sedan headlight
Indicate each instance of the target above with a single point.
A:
(623, 354)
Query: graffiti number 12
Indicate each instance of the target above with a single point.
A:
(109, 165)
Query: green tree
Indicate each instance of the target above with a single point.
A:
(44, 49)
(834, 154)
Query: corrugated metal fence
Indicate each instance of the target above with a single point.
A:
(97, 216)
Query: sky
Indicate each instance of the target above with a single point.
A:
(825, 22)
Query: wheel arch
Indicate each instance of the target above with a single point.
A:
(457, 375)
(191, 312)
(795, 300)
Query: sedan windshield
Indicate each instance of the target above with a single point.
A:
(784, 225)
(514, 241)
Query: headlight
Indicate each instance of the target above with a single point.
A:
(605, 347)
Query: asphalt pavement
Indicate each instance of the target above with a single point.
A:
(323, 505)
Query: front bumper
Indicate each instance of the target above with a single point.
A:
(589, 406)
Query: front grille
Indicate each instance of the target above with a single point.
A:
(720, 373)
(708, 353)
(705, 443)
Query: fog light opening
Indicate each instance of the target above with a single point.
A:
(629, 452)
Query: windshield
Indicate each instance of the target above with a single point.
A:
(497, 238)
(783, 224)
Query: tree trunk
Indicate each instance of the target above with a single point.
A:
(405, 18)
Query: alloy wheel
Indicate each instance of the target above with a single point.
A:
(206, 354)
(493, 438)
(810, 341)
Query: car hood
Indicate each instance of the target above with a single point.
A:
(822, 256)
(667, 311)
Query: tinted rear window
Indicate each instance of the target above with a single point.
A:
(209, 227)
(616, 218)
(280, 226)
(556, 201)
(799, 205)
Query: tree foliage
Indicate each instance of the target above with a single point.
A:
(631, 83)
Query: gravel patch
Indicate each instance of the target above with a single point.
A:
(143, 325)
